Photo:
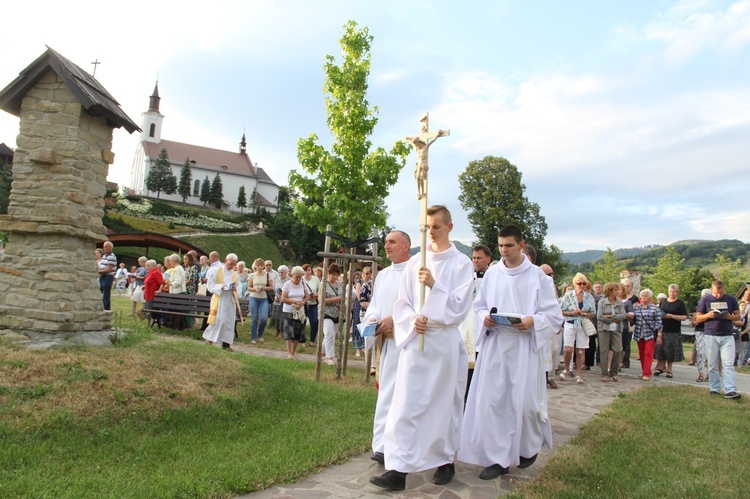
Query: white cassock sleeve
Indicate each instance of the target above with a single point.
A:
(548, 318)
(446, 304)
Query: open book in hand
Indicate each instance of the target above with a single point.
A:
(507, 318)
(230, 286)
(367, 329)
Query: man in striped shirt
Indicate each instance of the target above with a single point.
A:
(107, 269)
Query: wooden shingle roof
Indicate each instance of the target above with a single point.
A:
(90, 93)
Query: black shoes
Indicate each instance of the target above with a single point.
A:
(390, 480)
(444, 474)
(493, 471)
(732, 395)
(527, 461)
(378, 457)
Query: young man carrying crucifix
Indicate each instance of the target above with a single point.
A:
(422, 426)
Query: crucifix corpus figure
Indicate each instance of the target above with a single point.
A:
(422, 143)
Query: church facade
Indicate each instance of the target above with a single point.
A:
(235, 168)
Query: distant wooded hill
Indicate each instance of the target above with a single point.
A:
(463, 248)
(697, 253)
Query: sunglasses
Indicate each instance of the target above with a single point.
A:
(551, 274)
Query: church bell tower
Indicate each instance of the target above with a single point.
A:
(152, 119)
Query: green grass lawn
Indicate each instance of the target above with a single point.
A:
(676, 441)
(153, 418)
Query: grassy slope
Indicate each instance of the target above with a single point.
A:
(165, 419)
(247, 248)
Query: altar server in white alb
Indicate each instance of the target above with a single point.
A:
(506, 420)
(424, 421)
(380, 310)
(221, 281)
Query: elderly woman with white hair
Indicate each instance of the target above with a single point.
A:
(577, 305)
(647, 331)
(293, 296)
(277, 320)
(673, 313)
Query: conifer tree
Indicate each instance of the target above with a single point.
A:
(205, 191)
(217, 191)
(160, 177)
(186, 179)
(242, 199)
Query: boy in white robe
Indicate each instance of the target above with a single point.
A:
(380, 310)
(221, 284)
(506, 419)
(424, 421)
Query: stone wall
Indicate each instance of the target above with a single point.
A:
(48, 278)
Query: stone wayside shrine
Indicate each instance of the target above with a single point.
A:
(48, 277)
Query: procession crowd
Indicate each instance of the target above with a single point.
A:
(288, 298)
(505, 318)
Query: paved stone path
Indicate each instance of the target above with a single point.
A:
(570, 406)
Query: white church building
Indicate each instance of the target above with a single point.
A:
(235, 168)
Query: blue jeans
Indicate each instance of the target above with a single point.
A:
(105, 284)
(720, 347)
(259, 314)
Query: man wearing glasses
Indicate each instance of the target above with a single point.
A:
(269, 268)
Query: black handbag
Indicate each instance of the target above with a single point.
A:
(270, 295)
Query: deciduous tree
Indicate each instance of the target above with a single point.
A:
(160, 177)
(607, 268)
(186, 180)
(493, 195)
(346, 186)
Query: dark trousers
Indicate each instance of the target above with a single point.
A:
(105, 284)
(205, 318)
(312, 314)
(590, 356)
(626, 337)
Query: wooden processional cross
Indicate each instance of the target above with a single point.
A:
(422, 143)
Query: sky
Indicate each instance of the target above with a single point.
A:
(630, 121)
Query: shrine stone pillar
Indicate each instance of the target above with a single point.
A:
(48, 274)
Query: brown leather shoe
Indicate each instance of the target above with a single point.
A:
(552, 383)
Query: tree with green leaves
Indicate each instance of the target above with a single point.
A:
(346, 186)
(242, 199)
(217, 191)
(186, 180)
(205, 191)
(668, 270)
(493, 195)
(160, 177)
(607, 268)
(730, 273)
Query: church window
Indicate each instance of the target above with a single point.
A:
(197, 188)
(152, 130)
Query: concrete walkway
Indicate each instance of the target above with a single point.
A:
(570, 406)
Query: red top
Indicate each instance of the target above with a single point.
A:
(151, 283)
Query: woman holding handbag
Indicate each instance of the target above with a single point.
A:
(577, 306)
(610, 315)
(293, 297)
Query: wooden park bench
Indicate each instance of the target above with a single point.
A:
(196, 306)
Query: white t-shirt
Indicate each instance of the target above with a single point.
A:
(294, 292)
